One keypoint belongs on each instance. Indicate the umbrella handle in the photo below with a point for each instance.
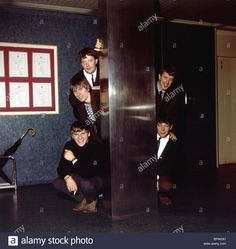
(33, 130)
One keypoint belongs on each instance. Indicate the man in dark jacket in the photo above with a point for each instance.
(88, 58)
(170, 99)
(167, 159)
(80, 170)
(87, 105)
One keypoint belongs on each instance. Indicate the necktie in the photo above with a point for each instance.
(90, 113)
(162, 94)
(93, 80)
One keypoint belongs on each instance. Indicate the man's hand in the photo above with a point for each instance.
(99, 45)
(69, 155)
(173, 137)
(71, 185)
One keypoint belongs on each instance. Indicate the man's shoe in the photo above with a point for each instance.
(80, 206)
(90, 207)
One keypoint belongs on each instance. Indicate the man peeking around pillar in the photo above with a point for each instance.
(166, 159)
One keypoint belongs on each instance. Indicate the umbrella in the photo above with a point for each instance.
(10, 151)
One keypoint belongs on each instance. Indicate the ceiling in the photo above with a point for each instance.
(211, 11)
(72, 6)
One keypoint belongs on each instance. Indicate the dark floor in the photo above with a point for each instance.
(205, 203)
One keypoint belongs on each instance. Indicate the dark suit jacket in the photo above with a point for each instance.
(167, 162)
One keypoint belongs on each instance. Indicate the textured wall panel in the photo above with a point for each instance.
(37, 157)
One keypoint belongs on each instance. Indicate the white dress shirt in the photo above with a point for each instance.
(88, 76)
(162, 145)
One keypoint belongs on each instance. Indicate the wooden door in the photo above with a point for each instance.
(227, 110)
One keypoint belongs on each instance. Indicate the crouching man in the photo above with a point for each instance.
(79, 169)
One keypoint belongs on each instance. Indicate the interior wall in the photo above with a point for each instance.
(37, 158)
